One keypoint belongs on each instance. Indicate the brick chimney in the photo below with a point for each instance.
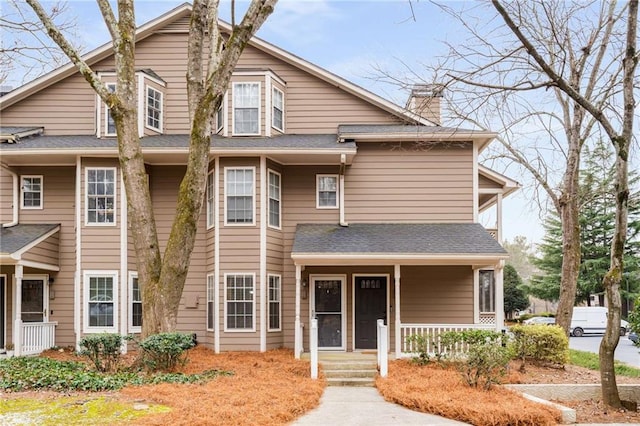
(424, 101)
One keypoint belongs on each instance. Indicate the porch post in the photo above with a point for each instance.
(499, 218)
(297, 344)
(499, 302)
(396, 281)
(17, 329)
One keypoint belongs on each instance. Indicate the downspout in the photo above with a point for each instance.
(343, 161)
(16, 198)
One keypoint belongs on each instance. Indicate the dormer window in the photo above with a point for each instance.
(109, 122)
(154, 109)
(277, 116)
(246, 109)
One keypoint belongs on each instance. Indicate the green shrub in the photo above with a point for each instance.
(165, 350)
(420, 344)
(540, 343)
(103, 350)
(34, 373)
(482, 355)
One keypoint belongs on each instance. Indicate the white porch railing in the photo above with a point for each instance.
(431, 333)
(383, 348)
(313, 346)
(36, 337)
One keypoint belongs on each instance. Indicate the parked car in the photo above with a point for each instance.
(633, 336)
(592, 320)
(540, 320)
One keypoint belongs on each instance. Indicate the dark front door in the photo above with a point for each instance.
(371, 305)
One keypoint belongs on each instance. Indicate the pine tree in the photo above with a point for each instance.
(514, 297)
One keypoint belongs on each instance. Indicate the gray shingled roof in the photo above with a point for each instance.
(16, 237)
(396, 238)
(290, 141)
(346, 129)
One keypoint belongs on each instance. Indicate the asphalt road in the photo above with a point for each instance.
(625, 352)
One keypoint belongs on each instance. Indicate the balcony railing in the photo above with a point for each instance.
(432, 333)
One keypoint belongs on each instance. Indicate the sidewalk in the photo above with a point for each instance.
(364, 406)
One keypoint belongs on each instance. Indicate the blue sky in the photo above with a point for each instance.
(351, 39)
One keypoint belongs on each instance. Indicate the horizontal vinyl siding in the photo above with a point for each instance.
(45, 252)
(6, 196)
(436, 294)
(486, 183)
(387, 184)
(311, 105)
(164, 184)
(58, 207)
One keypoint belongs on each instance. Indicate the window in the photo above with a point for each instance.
(487, 292)
(210, 301)
(239, 196)
(246, 108)
(135, 314)
(327, 191)
(239, 302)
(210, 198)
(109, 123)
(278, 109)
(274, 302)
(220, 117)
(101, 297)
(154, 109)
(101, 196)
(274, 199)
(31, 192)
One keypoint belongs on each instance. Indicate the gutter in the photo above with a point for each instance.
(16, 199)
(343, 161)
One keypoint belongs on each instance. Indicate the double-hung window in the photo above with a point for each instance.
(239, 302)
(327, 191)
(275, 295)
(239, 192)
(274, 199)
(220, 117)
(210, 199)
(109, 123)
(154, 109)
(101, 301)
(100, 196)
(487, 291)
(135, 298)
(31, 194)
(246, 108)
(277, 115)
(210, 302)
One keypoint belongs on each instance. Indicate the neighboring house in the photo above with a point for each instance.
(323, 200)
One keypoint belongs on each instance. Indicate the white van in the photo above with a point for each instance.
(592, 320)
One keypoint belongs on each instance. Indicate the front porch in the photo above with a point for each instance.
(371, 272)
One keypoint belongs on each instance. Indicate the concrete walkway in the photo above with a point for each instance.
(364, 406)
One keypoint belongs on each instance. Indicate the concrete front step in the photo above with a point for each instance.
(350, 381)
(348, 374)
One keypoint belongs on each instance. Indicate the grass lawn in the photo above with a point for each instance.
(591, 361)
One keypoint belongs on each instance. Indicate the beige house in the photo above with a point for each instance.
(323, 200)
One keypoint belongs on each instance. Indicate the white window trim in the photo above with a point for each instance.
(132, 328)
(233, 109)
(275, 89)
(493, 296)
(22, 206)
(85, 302)
(146, 109)
(226, 196)
(221, 112)
(86, 197)
(240, 330)
(105, 125)
(279, 227)
(211, 222)
(318, 206)
(210, 283)
(269, 276)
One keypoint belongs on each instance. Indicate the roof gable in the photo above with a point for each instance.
(170, 22)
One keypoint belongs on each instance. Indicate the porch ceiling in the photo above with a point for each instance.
(396, 243)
